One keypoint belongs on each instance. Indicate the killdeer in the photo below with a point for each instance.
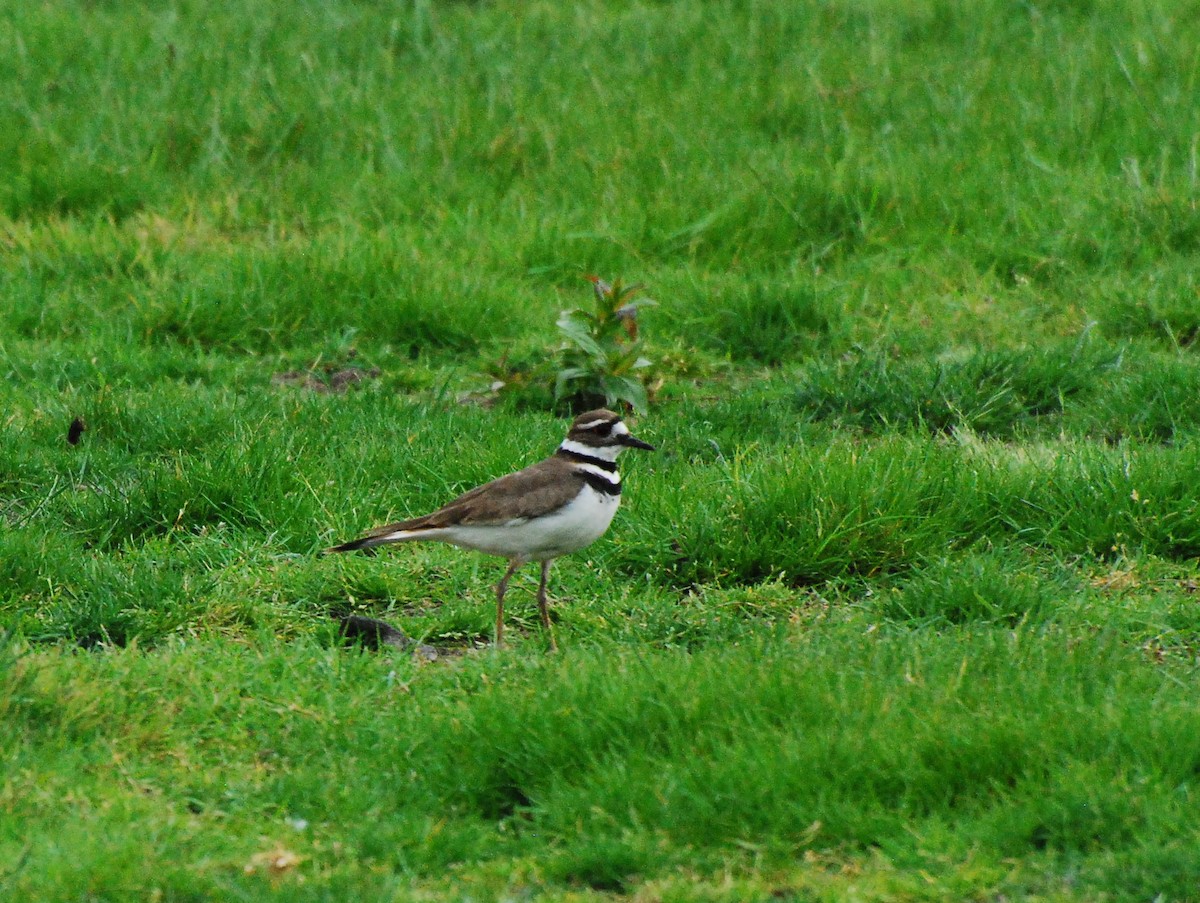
(549, 509)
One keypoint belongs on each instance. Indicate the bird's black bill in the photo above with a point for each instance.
(631, 442)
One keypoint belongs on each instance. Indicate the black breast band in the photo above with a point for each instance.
(599, 483)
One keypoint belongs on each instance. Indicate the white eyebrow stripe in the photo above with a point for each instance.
(591, 424)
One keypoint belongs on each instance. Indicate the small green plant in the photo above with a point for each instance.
(602, 362)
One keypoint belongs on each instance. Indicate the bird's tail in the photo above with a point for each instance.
(366, 543)
(381, 537)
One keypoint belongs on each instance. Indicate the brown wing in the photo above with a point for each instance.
(539, 488)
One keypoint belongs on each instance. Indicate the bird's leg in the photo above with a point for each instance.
(543, 607)
(501, 587)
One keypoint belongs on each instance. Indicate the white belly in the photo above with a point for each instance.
(579, 524)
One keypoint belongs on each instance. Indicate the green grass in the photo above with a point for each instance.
(903, 609)
(604, 767)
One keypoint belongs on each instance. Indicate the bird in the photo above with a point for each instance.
(552, 508)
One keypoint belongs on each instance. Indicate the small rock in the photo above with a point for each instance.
(374, 634)
(75, 430)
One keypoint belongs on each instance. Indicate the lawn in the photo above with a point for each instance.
(905, 607)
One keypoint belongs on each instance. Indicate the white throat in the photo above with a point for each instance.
(602, 453)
